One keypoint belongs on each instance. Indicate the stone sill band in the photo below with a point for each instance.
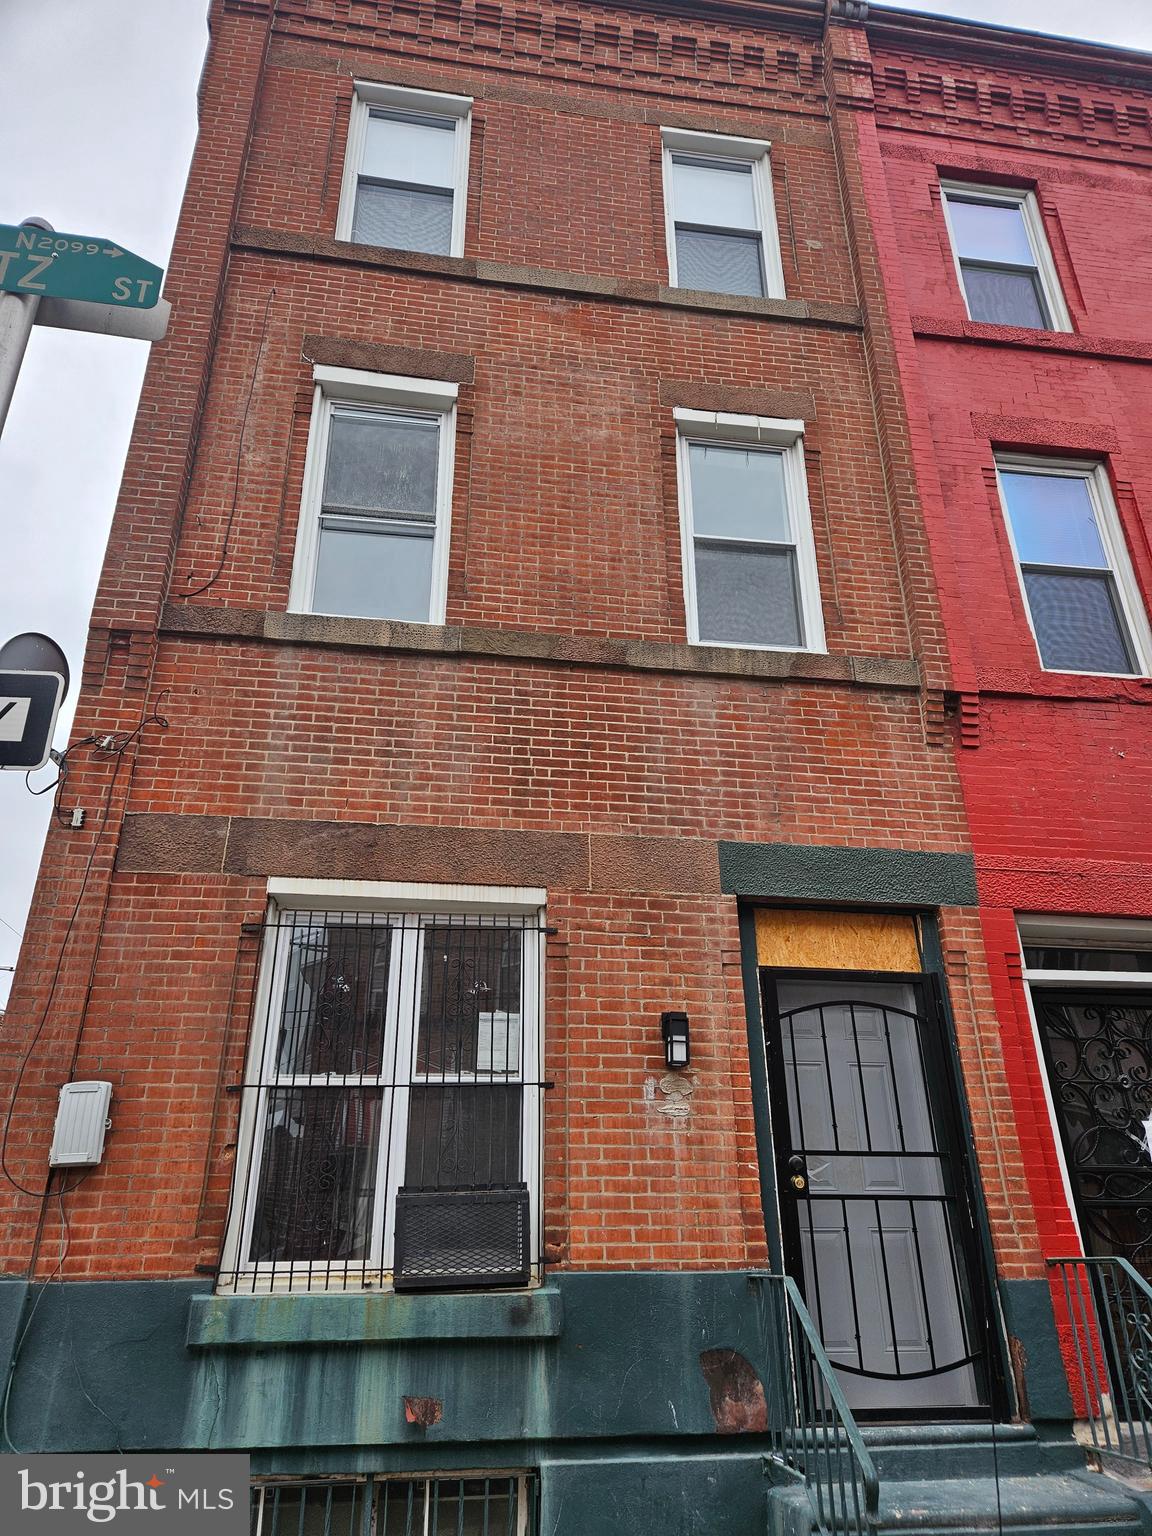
(255, 847)
(381, 1317)
(202, 621)
(950, 328)
(591, 285)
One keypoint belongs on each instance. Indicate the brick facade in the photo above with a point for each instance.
(559, 731)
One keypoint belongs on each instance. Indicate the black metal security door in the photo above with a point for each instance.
(874, 1189)
(1098, 1047)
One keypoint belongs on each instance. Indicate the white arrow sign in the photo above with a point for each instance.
(13, 718)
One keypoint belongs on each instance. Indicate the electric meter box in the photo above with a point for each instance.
(81, 1124)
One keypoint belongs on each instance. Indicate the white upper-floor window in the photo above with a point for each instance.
(406, 170)
(749, 561)
(1002, 257)
(374, 518)
(721, 219)
(1079, 588)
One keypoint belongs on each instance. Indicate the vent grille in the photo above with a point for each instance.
(456, 1238)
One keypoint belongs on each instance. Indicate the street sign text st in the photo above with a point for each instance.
(40, 263)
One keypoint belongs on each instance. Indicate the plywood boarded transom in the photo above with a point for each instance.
(836, 941)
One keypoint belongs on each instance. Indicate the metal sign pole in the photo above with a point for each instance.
(17, 317)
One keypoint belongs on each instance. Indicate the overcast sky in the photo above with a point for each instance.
(97, 121)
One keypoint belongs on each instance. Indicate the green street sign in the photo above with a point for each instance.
(50, 265)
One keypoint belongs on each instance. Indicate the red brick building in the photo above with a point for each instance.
(526, 904)
(1025, 397)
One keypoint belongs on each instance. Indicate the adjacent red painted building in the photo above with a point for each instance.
(1028, 405)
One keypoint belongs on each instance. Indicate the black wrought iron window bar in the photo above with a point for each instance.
(390, 1114)
(463, 1504)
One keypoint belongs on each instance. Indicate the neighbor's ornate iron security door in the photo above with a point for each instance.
(1098, 1047)
(874, 1187)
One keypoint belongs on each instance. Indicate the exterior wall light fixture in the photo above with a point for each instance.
(674, 1032)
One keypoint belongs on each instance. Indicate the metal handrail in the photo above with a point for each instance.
(809, 1422)
(1108, 1307)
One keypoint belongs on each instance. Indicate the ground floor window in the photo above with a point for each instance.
(468, 1504)
(390, 1120)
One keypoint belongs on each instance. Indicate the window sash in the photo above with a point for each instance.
(973, 298)
(364, 171)
(715, 151)
(1117, 573)
(316, 513)
(743, 168)
(798, 544)
(1041, 269)
(392, 1082)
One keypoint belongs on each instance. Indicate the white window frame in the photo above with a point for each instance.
(751, 432)
(1011, 197)
(718, 146)
(407, 899)
(395, 98)
(1115, 549)
(335, 387)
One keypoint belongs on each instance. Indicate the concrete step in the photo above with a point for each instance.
(1073, 1504)
(932, 1451)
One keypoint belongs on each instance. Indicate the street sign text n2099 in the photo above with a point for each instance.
(48, 264)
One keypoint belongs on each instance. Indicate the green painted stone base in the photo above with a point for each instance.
(595, 1380)
(725, 1494)
(1031, 1324)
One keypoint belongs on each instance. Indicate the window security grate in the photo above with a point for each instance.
(475, 1505)
(390, 1117)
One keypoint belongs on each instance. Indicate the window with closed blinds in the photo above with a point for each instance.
(406, 183)
(721, 228)
(378, 515)
(1005, 267)
(406, 170)
(1073, 566)
(749, 563)
(372, 541)
(718, 243)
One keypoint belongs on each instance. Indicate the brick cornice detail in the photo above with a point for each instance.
(929, 96)
(974, 161)
(779, 115)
